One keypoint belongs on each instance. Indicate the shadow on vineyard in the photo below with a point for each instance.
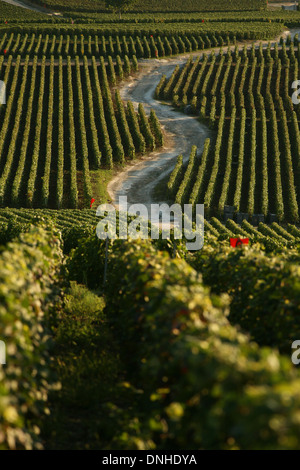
(88, 409)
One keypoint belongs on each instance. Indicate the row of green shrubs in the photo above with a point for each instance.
(28, 291)
(264, 289)
(205, 385)
(70, 235)
(199, 381)
(202, 384)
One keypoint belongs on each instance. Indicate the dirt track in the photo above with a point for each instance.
(138, 181)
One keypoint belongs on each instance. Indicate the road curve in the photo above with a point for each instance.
(139, 179)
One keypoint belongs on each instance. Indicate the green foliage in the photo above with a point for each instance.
(198, 185)
(137, 136)
(81, 266)
(124, 127)
(82, 302)
(145, 128)
(28, 290)
(91, 373)
(185, 185)
(76, 224)
(174, 180)
(192, 379)
(170, 328)
(253, 163)
(264, 290)
(156, 129)
(73, 225)
(55, 171)
(153, 5)
(119, 5)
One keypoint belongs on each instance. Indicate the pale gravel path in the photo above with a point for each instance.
(138, 180)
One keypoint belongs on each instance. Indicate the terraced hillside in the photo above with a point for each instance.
(63, 121)
(246, 96)
(155, 5)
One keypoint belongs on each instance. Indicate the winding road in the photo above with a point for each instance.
(139, 179)
(30, 6)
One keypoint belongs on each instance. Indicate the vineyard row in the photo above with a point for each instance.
(143, 45)
(253, 164)
(62, 122)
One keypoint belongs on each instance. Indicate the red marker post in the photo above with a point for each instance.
(92, 202)
(238, 242)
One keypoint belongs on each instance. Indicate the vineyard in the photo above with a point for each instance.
(76, 223)
(113, 45)
(15, 15)
(241, 31)
(143, 267)
(141, 344)
(155, 5)
(288, 17)
(253, 163)
(55, 170)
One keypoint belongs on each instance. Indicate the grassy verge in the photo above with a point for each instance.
(100, 179)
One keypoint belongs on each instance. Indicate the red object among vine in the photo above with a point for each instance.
(237, 242)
